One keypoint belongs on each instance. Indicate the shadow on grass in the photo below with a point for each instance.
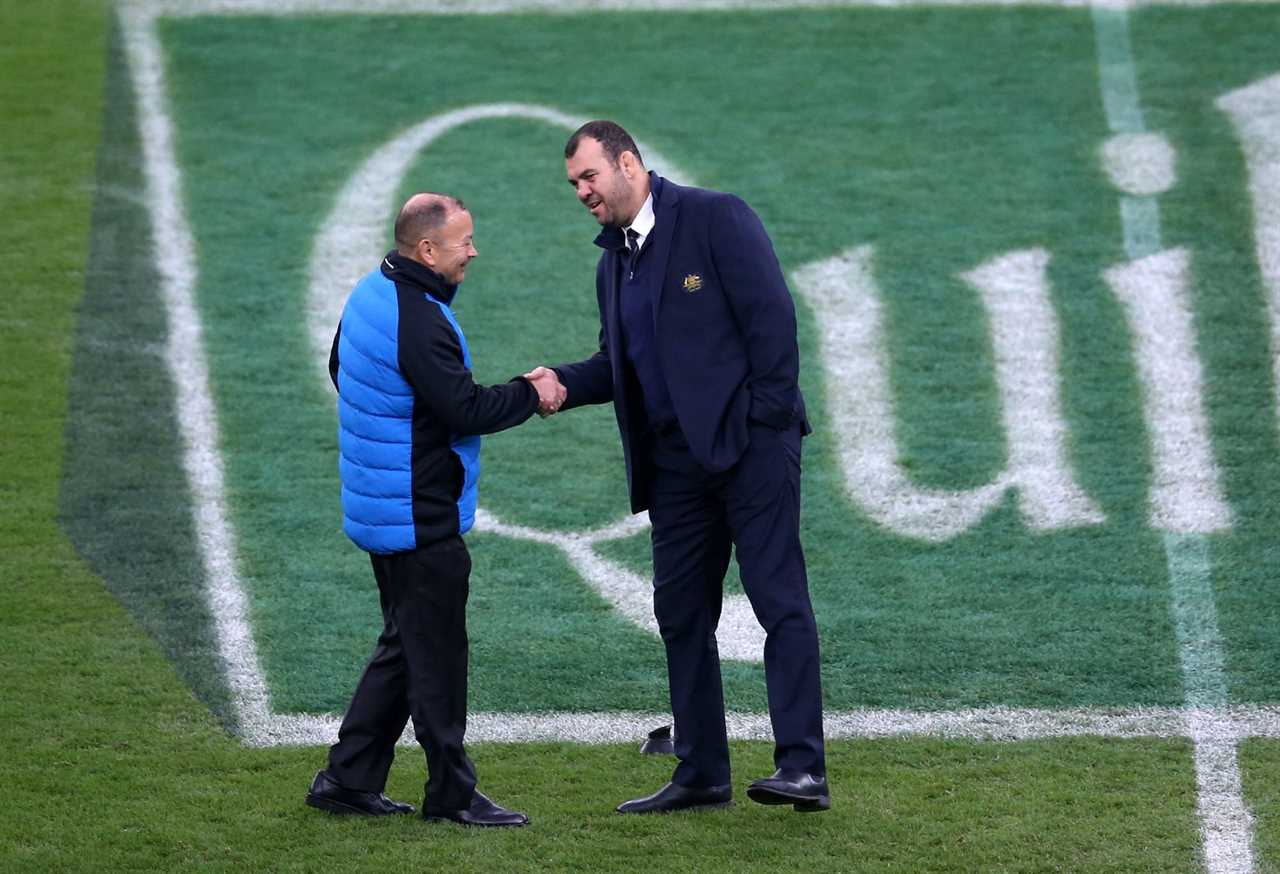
(124, 500)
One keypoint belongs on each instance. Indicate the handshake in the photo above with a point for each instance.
(551, 393)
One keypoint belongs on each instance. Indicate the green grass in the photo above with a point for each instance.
(125, 501)
(171, 793)
(1210, 213)
(113, 763)
(1000, 615)
(1260, 767)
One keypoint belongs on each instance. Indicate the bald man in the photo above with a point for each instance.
(410, 419)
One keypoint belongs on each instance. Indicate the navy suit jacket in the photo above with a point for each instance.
(725, 327)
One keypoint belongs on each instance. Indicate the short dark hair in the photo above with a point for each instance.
(422, 214)
(611, 136)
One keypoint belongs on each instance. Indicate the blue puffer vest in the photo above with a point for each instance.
(375, 425)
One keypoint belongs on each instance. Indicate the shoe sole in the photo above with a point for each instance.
(337, 808)
(477, 824)
(801, 803)
(328, 805)
(713, 805)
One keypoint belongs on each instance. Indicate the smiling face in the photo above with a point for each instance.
(450, 247)
(612, 192)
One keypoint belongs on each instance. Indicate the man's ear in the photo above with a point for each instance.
(631, 166)
(426, 252)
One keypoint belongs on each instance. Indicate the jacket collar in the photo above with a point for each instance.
(399, 268)
(664, 197)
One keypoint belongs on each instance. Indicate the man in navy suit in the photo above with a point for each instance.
(698, 354)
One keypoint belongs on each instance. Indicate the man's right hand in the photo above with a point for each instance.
(551, 393)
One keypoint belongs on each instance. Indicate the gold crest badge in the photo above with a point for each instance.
(692, 282)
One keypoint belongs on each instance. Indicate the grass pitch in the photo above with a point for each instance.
(113, 763)
(1000, 615)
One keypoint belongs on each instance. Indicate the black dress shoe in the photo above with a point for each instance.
(328, 794)
(673, 796)
(482, 812)
(806, 792)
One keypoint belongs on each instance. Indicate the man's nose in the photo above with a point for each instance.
(583, 190)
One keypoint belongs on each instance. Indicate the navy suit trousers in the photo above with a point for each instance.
(418, 670)
(697, 518)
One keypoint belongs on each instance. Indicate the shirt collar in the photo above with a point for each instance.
(642, 224)
(613, 238)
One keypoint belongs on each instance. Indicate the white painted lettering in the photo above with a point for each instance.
(1014, 288)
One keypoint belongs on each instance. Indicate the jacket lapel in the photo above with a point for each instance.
(666, 211)
(610, 239)
(614, 320)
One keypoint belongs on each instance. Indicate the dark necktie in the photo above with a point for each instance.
(633, 251)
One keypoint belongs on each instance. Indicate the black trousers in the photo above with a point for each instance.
(418, 670)
(697, 518)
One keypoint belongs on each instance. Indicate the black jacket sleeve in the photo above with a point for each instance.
(430, 357)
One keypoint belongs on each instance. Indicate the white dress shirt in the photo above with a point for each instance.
(642, 224)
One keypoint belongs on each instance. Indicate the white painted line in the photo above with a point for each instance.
(1186, 497)
(997, 724)
(1225, 820)
(192, 8)
(1117, 74)
(197, 418)
(739, 636)
(1196, 621)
